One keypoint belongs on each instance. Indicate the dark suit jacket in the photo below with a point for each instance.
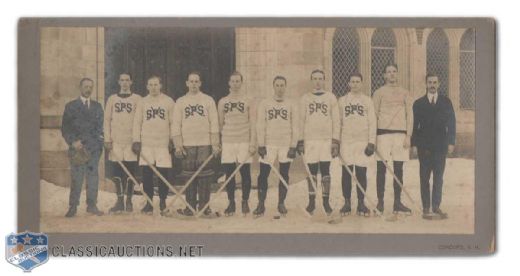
(80, 123)
(434, 125)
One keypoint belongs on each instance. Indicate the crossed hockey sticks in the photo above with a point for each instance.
(170, 186)
(178, 193)
(369, 199)
(224, 185)
(399, 183)
(125, 169)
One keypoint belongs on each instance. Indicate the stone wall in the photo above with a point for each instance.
(67, 55)
(263, 53)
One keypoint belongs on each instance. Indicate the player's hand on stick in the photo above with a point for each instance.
(136, 147)
(334, 149)
(171, 147)
(300, 147)
(108, 146)
(291, 153)
(370, 149)
(77, 145)
(406, 142)
(180, 152)
(262, 151)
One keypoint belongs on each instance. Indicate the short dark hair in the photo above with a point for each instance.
(280, 78)
(391, 65)
(194, 73)
(84, 80)
(356, 74)
(128, 74)
(318, 71)
(430, 75)
(236, 73)
(154, 77)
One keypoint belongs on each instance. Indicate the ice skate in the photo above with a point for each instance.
(346, 209)
(312, 204)
(162, 207)
(147, 209)
(362, 209)
(400, 208)
(260, 210)
(380, 208)
(281, 209)
(245, 207)
(185, 212)
(230, 210)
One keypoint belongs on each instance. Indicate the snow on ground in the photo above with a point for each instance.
(458, 202)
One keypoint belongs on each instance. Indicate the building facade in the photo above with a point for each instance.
(68, 54)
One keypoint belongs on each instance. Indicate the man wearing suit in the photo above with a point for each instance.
(82, 129)
(433, 138)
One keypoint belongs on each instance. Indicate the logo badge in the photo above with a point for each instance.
(27, 250)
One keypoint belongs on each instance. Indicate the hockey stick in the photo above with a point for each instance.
(280, 177)
(224, 185)
(188, 183)
(369, 199)
(331, 218)
(399, 182)
(170, 186)
(125, 169)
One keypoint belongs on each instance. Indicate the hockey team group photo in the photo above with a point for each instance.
(257, 130)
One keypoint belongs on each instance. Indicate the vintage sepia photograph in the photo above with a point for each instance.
(259, 130)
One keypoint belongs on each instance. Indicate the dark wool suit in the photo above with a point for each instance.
(85, 124)
(433, 131)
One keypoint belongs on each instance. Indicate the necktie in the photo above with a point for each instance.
(86, 104)
(433, 100)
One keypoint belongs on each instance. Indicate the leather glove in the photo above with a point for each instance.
(171, 148)
(291, 153)
(370, 149)
(262, 151)
(300, 147)
(136, 147)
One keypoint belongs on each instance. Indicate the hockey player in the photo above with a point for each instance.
(277, 129)
(393, 107)
(152, 134)
(119, 120)
(358, 135)
(238, 140)
(319, 136)
(196, 137)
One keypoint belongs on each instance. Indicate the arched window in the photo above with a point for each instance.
(345, 58)
(467, 70)
(438, 59)
(383, 53)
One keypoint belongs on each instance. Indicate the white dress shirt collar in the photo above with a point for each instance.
(435, 97)
(83, 100)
